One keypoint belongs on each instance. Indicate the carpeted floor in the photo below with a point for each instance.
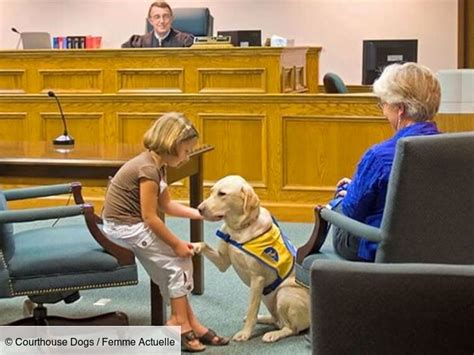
(221, 307)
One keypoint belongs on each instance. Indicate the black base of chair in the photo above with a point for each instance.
(40, 317)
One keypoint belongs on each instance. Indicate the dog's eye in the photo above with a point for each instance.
(221, 194)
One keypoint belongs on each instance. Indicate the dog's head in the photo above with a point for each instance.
(232, 199)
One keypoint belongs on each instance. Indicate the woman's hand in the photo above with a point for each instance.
(183, 249)
(341, 187)
(343, 181)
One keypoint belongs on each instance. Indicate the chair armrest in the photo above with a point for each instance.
(123, 255)
(316, 239)
(322, 216)
(374, 308)
(43, 191)
(351, 225)
(35, 214)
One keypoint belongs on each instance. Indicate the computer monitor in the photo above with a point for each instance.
(36, 40)
(377, 54)
(243, 38)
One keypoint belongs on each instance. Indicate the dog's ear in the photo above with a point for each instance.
(251, 200)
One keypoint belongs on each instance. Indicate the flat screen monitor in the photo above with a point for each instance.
(377, 54)
(243, 38)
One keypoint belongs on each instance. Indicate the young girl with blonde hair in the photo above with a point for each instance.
(135, 195)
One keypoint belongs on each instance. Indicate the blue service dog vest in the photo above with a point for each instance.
(272, 249)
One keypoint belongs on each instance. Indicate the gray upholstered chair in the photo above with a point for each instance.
(376, 308)
(412, 299)
(333, 84)
(51, 264)
(197, 21)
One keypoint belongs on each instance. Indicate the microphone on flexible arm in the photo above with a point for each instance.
(65, 138)
(19, 39)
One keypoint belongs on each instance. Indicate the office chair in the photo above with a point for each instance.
(418, 295)
(333, 84)
(52, 264)
(197, 21)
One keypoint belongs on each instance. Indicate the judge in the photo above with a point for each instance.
(160, 16)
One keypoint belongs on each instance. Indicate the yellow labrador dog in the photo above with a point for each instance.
(234, 201)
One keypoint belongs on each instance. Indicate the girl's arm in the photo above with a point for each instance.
(176, 209)
(149, 208)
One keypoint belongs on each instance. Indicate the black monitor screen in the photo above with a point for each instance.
(243, 38)
(377, 54)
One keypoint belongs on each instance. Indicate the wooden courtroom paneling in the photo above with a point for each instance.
(159, 70)
(12, 126)
(12, 81)
(460, 122)
(241, 145)
(292, 148)
(320, 140)
(150, 80)
(70, 80)
(87, 127)
(268, 139)
(232, 80)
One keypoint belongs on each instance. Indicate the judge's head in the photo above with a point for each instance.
(160, 16)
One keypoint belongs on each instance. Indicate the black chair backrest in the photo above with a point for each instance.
(333, 84)
(429, 211)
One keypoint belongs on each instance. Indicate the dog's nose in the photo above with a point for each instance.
(201, 210)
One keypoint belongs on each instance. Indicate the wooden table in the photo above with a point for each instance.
(43, 160)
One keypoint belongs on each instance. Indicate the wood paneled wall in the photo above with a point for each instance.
(259, 70)
(293, 148)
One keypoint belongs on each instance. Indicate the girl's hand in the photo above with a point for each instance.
(183, 249)
(196, 215)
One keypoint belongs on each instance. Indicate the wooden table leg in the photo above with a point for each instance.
(197, 227)
(158, 306)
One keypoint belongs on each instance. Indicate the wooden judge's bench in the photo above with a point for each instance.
(259, 107)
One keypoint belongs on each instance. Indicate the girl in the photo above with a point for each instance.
(130, 214)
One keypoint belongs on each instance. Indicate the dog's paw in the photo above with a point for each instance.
(273, 336)
(270, 337)
(198, 247)
(243, 335)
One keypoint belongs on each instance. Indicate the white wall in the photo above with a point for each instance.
(339, 26)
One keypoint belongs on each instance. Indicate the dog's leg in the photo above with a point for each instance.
(264, 319)
(220, 257)
(256, 289)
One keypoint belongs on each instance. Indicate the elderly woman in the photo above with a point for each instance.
(409, 97)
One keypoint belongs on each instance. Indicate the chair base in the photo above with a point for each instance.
(40, 317)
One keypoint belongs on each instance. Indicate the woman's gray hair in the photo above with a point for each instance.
(412, 85)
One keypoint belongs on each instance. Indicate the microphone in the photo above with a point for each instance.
(19, 39)
(64, 139)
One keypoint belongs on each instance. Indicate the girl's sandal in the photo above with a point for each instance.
(211, 338)
(191, 343)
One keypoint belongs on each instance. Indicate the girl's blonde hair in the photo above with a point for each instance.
(167, 132)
